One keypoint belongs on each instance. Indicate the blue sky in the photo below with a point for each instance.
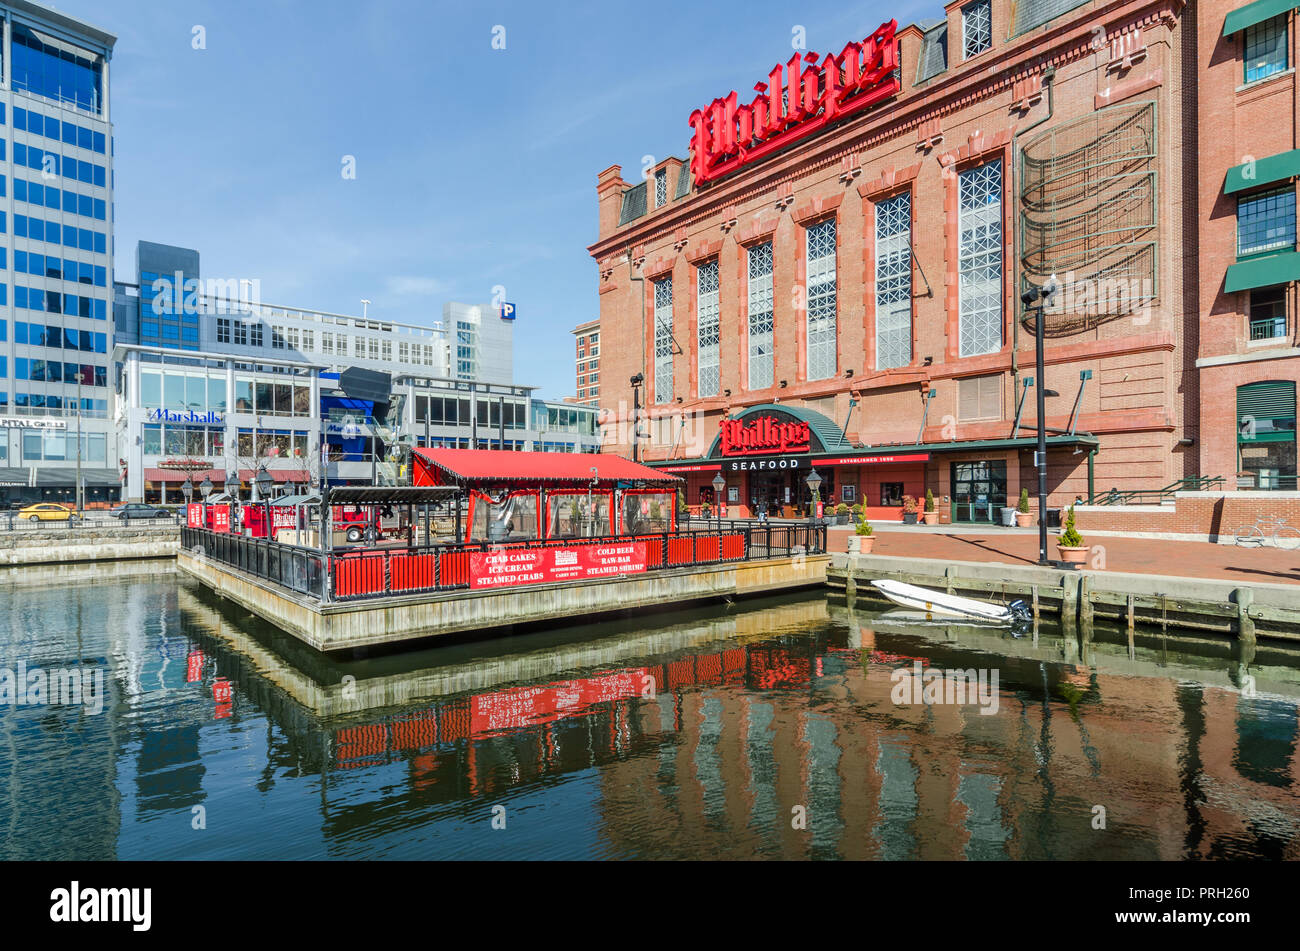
(475, 167)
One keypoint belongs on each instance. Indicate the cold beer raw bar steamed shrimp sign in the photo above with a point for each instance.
(504, 567)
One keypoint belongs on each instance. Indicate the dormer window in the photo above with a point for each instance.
(661, 188)
(976, 27)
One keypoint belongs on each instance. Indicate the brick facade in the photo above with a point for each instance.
(1145, 399)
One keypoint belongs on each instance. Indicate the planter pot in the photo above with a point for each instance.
(1075, 556)
(931, 518)
(1024, 519)
(841, 520)
(909, 518)
(855, 544)
(861, 544)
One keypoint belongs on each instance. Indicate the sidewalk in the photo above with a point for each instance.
(1117, 553)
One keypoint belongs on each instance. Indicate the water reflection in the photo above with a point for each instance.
(765, 729)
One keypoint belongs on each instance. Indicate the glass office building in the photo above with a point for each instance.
(56, 257)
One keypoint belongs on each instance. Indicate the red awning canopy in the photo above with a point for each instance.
(180, 475)
(279, 475)
(498, 466)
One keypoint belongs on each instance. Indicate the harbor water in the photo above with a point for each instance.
(804, 727)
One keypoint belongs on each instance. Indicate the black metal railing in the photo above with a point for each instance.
(1157, 496)
(298, 569)
(346, 574)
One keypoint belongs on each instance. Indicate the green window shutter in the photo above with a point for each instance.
(1275, 168)
(1256, 12)
(1267, 403)
(1271, 399)
(1263, 272)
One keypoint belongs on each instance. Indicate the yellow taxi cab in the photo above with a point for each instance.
(46, 512)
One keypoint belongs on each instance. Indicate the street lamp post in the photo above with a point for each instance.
(814, 481)
(187, 489)
(264, 482)
(1037, 300)
(719, 485)
(205, 489)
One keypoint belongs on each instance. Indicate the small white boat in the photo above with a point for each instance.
(940, 604)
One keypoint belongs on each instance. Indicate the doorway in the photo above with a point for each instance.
(979, 489)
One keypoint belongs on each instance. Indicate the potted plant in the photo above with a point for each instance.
(862, 540)
(909, 510)
(931, 516)
(857, 512)
(842, 514)
(705, 510)
(1023, 516)
(1070, 543)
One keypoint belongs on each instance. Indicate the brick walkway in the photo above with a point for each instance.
(1148, 556)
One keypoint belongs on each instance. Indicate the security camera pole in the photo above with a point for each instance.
(1043, 296)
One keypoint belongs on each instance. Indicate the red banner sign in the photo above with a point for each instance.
(873, 460)
(220, 515)
(793, 103)
(506, 567)
(763, 436)
(194, 515)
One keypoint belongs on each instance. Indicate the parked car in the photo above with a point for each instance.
(46, 512)
(139, 510)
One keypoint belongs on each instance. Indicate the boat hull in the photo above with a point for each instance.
(940, 604)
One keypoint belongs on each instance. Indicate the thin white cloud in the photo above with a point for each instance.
(405, 286)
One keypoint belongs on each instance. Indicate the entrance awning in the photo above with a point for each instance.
(68, 477)
(1253, 13)
(906, 454)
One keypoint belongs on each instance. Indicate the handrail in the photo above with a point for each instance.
(340, 574)
(1118, 496)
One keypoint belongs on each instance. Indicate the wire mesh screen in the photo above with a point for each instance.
(1089, 216)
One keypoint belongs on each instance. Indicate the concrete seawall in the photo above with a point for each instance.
(65, 545)
(1079, 597)
(378, 621)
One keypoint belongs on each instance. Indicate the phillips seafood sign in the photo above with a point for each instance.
(794, 102)
(763, 436)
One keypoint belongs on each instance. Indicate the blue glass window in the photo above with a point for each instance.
(86, 206)
(52, 128)
(20, 118)
(98, 137)
(101, 309)
(101, 342)
(20, 261)
(99, 171)
(20, 153)
(20, 189)
(52, 199)
(101, 243)
(84, 139)
(57, 70)
(20, 225)
(101, 207)
(2, 186)
(69, 133)
(20, 299)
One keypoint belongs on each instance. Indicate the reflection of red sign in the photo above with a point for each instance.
(522, 706)
(505, 567)
(222, 691)
(194, 667)
(727, 135)
(766, 434)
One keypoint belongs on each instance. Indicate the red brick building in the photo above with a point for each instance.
(856, 263)
(1247, 353)
(587, 355)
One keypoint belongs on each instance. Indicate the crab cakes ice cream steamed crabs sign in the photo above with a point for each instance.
(507, 567)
